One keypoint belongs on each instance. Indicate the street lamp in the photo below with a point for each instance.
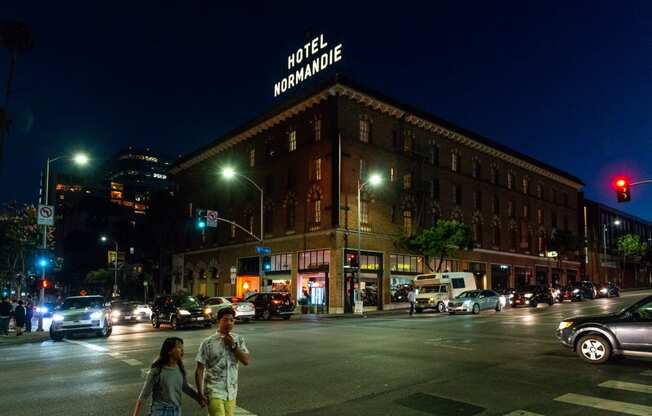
(229, 173)
(105, 239)
(374, 180)
(79, 159)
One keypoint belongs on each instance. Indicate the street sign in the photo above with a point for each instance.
(211, 218)
(111, 259)
(263, 250)
(45, 215)
(234, 271)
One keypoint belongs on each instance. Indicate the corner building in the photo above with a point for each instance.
(309, 155)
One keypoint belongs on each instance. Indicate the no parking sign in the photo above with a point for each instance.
(45, 215)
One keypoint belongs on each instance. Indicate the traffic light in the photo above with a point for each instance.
(622, 190)
(267, 264)
(200, 219)
(42, 262)
(44, 284)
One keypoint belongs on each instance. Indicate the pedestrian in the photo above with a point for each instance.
(5, 315)
(412, 298)
(218, 360)
(19, 317)
(166, 381)
(29, 313)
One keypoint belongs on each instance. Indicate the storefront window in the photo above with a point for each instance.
(408, 264)
(312, 292)
(281, 262)
(399, 286)
(281, 286)
(314, 259)
(369, 289)
(447, 265)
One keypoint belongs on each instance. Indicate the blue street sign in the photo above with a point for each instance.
(263, 250)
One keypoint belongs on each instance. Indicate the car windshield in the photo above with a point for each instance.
(468, 295)
(187, 302)
(82, 303)
(428, 289)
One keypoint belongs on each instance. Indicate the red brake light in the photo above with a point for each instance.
(276, 302)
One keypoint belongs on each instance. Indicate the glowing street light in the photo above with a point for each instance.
(228, 172)
(81, 159)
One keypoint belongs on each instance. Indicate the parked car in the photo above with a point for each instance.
(435, 290)
(81, 314)
(272, 304)
(578, 291)
(608, 290)
(508, 294)
(244, 311)
(532, 296)
(596, 338)
(179, 312)
(128, 311)
(474, 301)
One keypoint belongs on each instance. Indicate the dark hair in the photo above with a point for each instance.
(164, 355)
(20, 302)
(225, 311)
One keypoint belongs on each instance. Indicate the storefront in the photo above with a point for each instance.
(312, 281)
(571, 276)
(247, 279)
(279, 276)
(556, 277)
(521, 277)
(403, 268)
(500, 276)
(479, 271)
(541, 276)
(370, 286)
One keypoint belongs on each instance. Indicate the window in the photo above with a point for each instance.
(510, 209)
(526, 210)
(477, 200)
(252, 157)
(407, 181)
(281, 262)
(317, 212)
(494, 175)
(392, 174)
(232, 231)
(540, 244)
(539, 191)
(496, 236)
(364, 131)
(455, 161)
(539, 216)
(514, 239)
(318, 130)
(318, 169)
(435, 188)
(363, 169)
(458, 283)
(476, 169)
(477, 233)
(526, 183)
(406, 264)
(364, 212)
(292, 141)
(407, 222)
(457, 194)
(408, 142)
(510, 180)
(434, 155)
(290, 215)
(495, 205)
(554, 219)
(314, 259)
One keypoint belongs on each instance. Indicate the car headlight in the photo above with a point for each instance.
(57, 317)
(183, 312)
(603, 290)
(431, 300)
(116, 313)
(96, 315)
(576, 291)
(207, 311)
(565, 324)
(528, 295)
(503, 300)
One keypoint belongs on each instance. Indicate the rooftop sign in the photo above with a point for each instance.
(307, 61)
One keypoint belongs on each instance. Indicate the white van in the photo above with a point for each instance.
(434, 290)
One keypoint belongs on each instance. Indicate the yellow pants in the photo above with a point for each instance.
(219, 407)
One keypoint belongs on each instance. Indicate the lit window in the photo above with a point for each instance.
(364, 131)
(364, 212)
(434, 154)
(455, 160)
(526, 211)
(407, 222)
(252, 157)
(318, 169)
(317, 213)
(392, 175)
(407, 142)
(232, 231)
(525, 185)
(539, 216)
(539, 191)
(293, 140)
(318, 130)
(510, 180)
(407, 181)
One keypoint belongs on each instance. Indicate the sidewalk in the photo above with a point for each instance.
(27, 337)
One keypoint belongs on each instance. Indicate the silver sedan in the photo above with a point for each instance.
(476, 300)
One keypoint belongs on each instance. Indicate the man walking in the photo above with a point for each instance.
(5, 315)
(412, 298)
(19, 317)
(218, 359)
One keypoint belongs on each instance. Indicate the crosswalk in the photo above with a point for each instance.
(592, 402)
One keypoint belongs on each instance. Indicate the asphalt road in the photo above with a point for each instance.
(430, 364)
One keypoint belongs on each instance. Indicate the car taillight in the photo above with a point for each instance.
(276, 302)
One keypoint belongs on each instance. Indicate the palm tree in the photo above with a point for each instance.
(16, 38)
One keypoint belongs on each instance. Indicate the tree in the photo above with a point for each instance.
(445, 239)
(629, 245)
(563, 242)
(100, 278)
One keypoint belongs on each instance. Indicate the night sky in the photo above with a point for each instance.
(570, 85)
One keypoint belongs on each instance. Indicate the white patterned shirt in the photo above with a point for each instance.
(221, 366)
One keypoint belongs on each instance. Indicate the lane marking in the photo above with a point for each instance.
(603, 404)
(132, 362)
(647, 373)
(622, 385)
(87, 345)
(522, 413)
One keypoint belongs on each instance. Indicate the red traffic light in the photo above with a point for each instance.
(45, 284)
(621, 182)
(622, 190)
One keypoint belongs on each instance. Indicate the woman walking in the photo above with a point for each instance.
(166, 381)
(19, 317)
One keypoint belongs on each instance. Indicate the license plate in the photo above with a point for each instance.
(200, 318)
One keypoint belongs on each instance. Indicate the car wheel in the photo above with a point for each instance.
(267, 315)
(476, 309)
(56, 336)
(106, 330)
(499, 307)
(174, 324)
(594, 349)
(155, 322)
(534, 303)
(441, 308)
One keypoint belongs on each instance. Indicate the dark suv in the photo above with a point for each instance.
(532, 296)
(583, 290)
(596, 338)
(272, 304)
(180, 311)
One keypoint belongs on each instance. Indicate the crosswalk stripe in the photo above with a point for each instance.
(622, 385)
(603, 404)
(86, 345)
(522, 413)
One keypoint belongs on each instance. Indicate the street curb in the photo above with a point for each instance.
(373, 314)
(26, 338)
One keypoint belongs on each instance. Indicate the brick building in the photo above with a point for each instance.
(309, 154)
(603, 261)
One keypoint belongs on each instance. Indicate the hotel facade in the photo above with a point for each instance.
(309, 156)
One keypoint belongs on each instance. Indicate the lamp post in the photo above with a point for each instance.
(104, 239)
(80, 159)
(374, 180)
(228, 173)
